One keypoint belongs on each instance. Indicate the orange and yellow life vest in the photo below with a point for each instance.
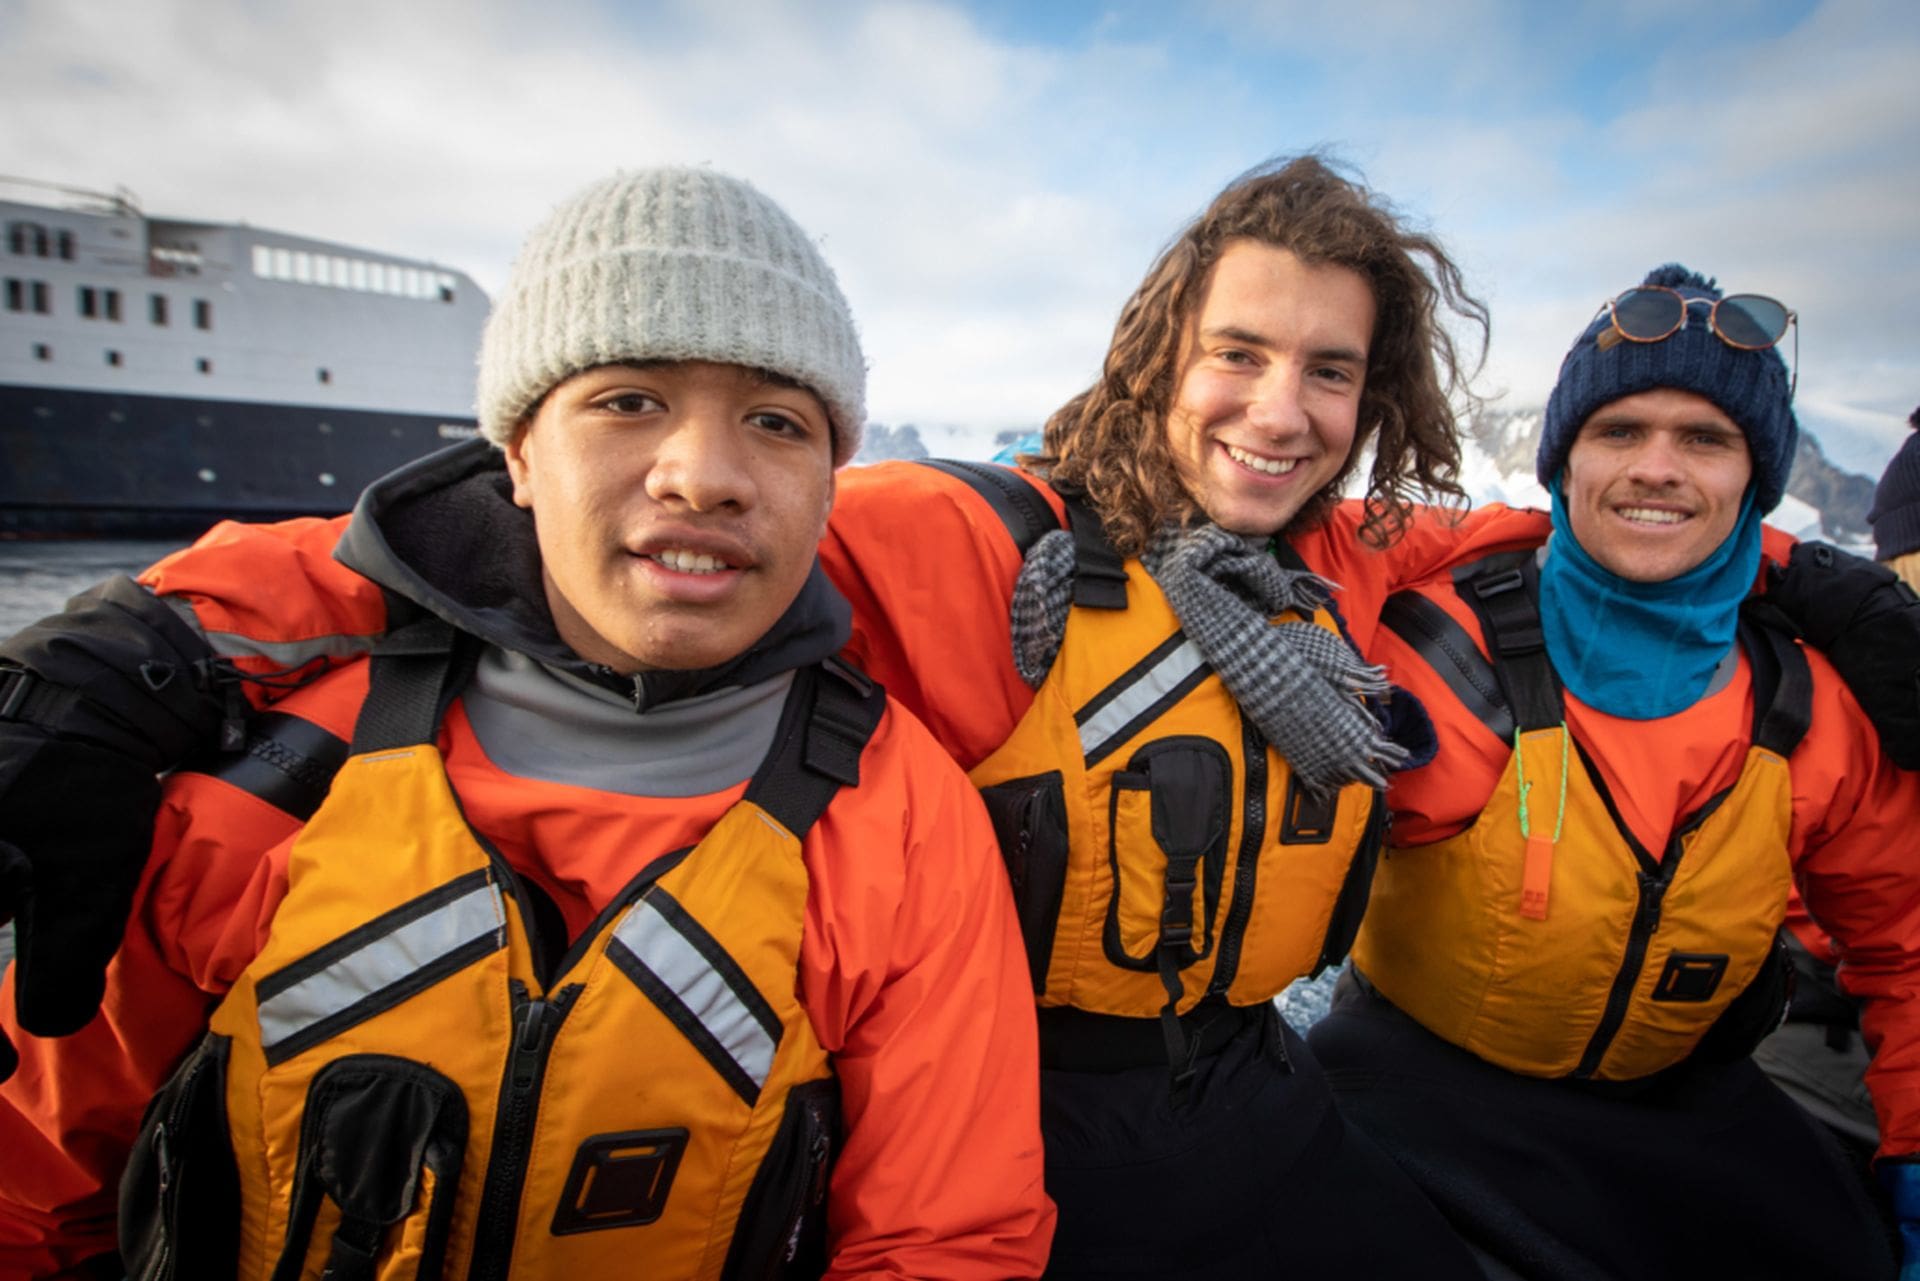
(1162, 853)
(1544, 938)
(410, 1091)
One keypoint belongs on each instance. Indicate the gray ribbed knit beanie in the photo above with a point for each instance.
(1895, 515)
(1750, 387)
(670, 264)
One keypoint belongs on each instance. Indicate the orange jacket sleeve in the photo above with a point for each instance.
(929, 570)
(272, 599)
(917, 984)
(1856, 816)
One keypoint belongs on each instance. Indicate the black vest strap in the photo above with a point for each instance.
(416, 669)
(1099, 573)
(1504, 591)
(1782, 685)
(1018, 505)
(1449, 650)
(829, 718)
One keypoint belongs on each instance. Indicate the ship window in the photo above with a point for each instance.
(66, 245)
(302, 266)
(40, 240)
(282, 265)
(42, 352)
(16, 294)
(204, 365)
(17, 237)
(326, 375)
(113, 304)
(89, 301)
(446, 288)
(158, 308)
(359, 273)
(202, 314)
(113, 358)
(42, 303)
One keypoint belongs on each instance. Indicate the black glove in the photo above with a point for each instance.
(91, 809)
(93, 704)
(1867, 622)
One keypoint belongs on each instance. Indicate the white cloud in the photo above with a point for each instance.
(988, 201)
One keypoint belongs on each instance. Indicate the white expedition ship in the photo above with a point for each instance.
(160, 374)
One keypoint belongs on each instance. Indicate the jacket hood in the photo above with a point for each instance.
(444, 535)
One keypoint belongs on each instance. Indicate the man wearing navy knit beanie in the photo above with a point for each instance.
(1567, 961)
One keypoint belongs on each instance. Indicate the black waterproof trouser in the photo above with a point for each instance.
(1255, 1175)
(1706, 1170)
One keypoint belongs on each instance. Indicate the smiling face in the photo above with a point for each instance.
(1268, 397)
(1654, 482)
(678, 508)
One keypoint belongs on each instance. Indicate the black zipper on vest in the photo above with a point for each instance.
(535, 1023)
(1253, 834)
(1653, 879)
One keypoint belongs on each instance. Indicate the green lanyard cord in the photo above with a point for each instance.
(1520, 774)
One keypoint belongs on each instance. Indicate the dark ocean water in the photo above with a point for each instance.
(37, 578)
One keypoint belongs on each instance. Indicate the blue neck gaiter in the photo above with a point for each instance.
(1642, 650)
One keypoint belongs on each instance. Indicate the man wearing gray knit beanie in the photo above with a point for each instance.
(616, 927)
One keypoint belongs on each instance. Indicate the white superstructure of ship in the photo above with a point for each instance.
(162, 373)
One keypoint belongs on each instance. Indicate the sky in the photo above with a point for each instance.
(991, 179)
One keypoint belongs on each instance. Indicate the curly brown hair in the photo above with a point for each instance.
(1109, 440)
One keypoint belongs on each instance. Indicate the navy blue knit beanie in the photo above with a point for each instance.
(1750, 387)
(1895, 515)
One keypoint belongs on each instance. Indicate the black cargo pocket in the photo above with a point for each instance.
(1166, 849)
(382, 1141)
(1351, 905)
(180, 1194)
(1757, 1012)
(1030, 819)
(783, 1223)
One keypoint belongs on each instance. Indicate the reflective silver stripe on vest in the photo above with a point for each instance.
(1153, 685)
(652, 938)
(381, 962)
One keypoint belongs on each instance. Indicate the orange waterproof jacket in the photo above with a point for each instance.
(909, 972)
(1846, 818)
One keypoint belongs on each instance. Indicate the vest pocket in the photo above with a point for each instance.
(1757, 1012)
(1029, 817)
(180, 1194)
(382, 1140)
(1167, 844)
(782, 1230)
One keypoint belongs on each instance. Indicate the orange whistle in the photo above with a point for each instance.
(1534, 875)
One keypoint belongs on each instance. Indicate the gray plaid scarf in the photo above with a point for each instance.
(1299, 683)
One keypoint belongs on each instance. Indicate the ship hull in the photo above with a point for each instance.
(93, 463)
